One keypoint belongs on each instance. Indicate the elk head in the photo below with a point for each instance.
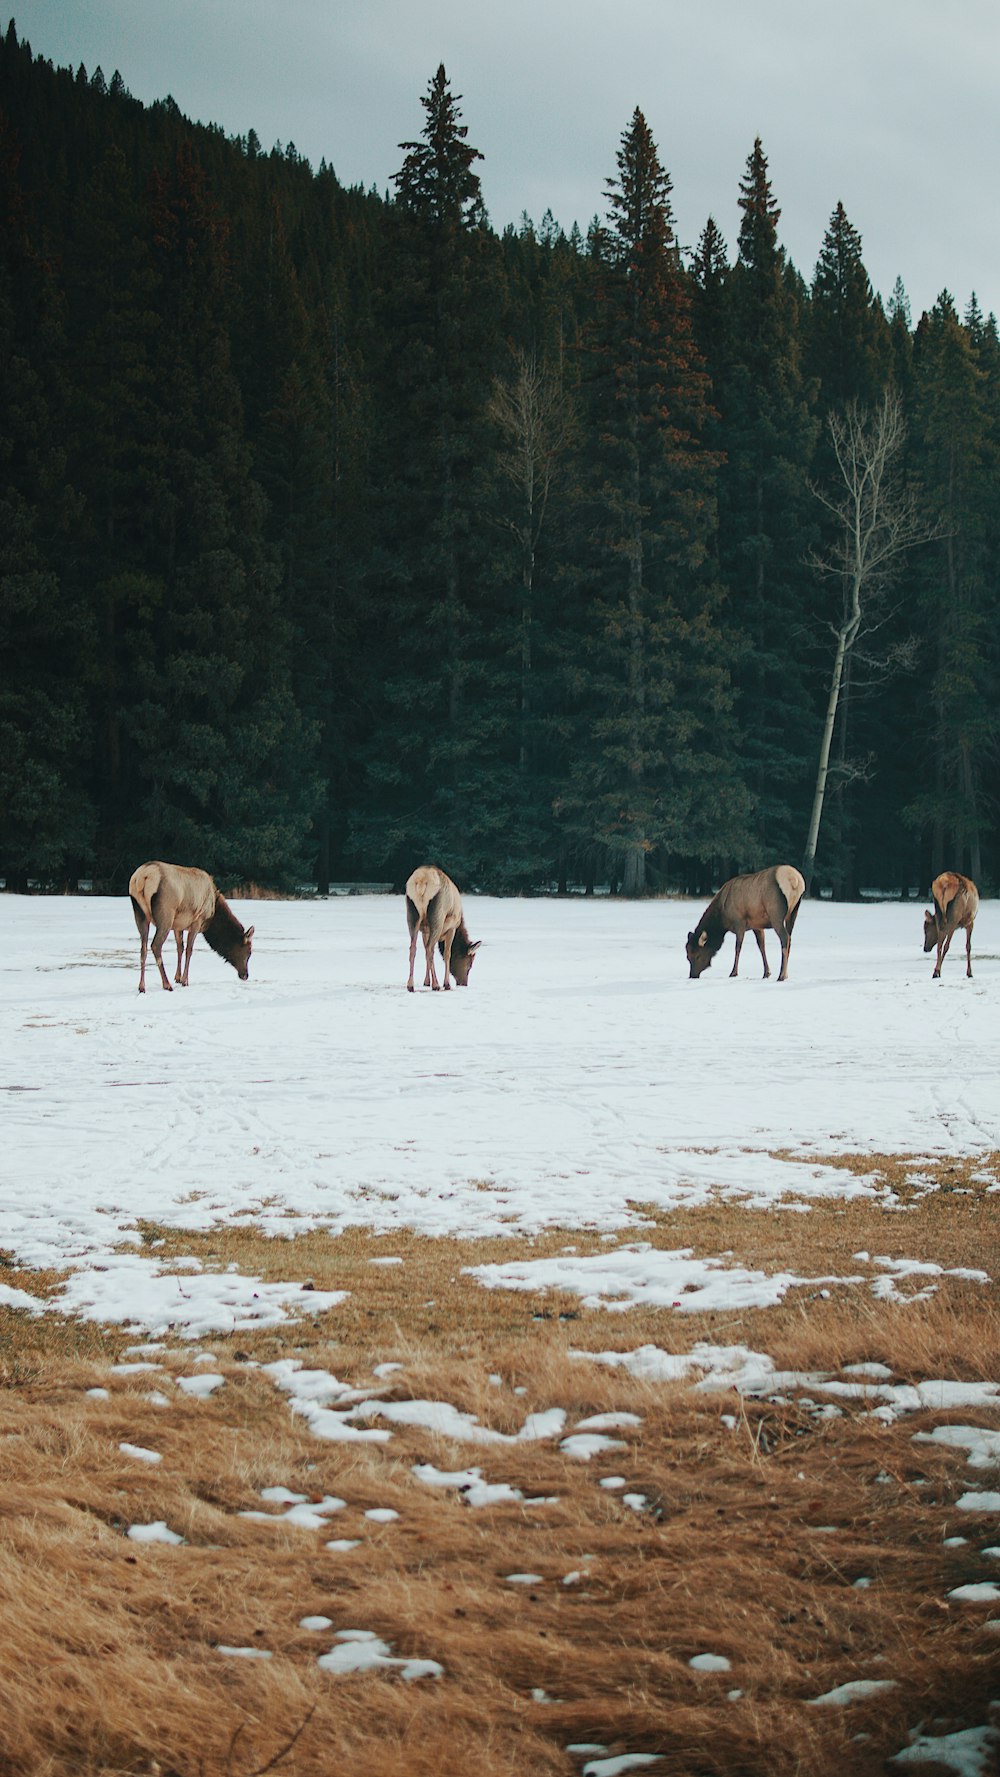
(241, 955)
(930, 930)
(698, 954)
(461, 966)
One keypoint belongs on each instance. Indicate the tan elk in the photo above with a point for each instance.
(956, 903)
(769, 899)
(176, 898)
(434, 913)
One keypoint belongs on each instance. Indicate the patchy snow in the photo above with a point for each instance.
(584, 1077)
(469, 1482)
(618, 1765)
(978, 1502)
(972, 1752)
(359, 1650)
(983, 1446)
(140, 1453)
(856, 1691)
(154, 1533)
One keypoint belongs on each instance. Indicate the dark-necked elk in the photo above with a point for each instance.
(434, 913)
(769, 899)
(956, 903)
(176, 898)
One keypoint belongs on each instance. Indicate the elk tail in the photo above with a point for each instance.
(412, 915)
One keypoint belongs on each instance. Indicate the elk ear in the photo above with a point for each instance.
(475, 946)
(703, 940)
(248, 934)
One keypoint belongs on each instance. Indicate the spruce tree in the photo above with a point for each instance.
(848, 340)
(955, 423)
(655, 741)
(46, 635)
(438, 782)
(768, 433)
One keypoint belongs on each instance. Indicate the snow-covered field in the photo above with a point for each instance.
(580, 1077)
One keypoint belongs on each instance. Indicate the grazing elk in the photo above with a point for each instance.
(434, 913)
(956, 903)
(176, 898)
(769, 898)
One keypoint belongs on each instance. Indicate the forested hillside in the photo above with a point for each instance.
(339, 531)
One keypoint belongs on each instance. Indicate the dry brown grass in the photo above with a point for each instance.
(109, 1660)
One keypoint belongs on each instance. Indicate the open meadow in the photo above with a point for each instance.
(588, 1371)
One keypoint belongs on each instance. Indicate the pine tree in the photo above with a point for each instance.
(768, 433)
(655, 740)
(437, 783)
(848, 340)
(955, 456)
(46, 638)
(220, 757)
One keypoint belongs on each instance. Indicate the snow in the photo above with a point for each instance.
(469, 1482)
(154, 1533)
(616, 1767)
(579, 1082)
(359, 1650)
(972, 1752)
(978, 1502)
(140, 1453)
(584, 1076)
(856, 1691)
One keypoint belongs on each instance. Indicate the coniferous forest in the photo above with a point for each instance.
(340, 532)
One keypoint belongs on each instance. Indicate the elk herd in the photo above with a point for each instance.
(177, 898)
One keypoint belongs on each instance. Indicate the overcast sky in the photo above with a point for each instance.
(889, 106)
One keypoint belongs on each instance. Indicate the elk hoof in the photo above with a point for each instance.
(142, 987)
(410, 987)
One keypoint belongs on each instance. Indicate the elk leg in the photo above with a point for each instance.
(943, 948)
(430, 974)
(785, 938)
(158, 937)
(179, 972)
(143, 947)
(740, 935)
(968, 953)
(447, 960)
(187, 953)
(759, 935)
(413, 953)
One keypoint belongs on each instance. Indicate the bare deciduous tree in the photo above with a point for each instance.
(877, 521)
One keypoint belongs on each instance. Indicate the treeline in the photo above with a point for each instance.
(340, 532)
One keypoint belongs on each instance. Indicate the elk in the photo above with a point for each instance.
(434, 913)
(956, 903)
(176, 898)
(767, 899)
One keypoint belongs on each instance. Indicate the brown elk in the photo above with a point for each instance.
(956, 903)
(767, 899)
(434, 913)
(176, 898)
